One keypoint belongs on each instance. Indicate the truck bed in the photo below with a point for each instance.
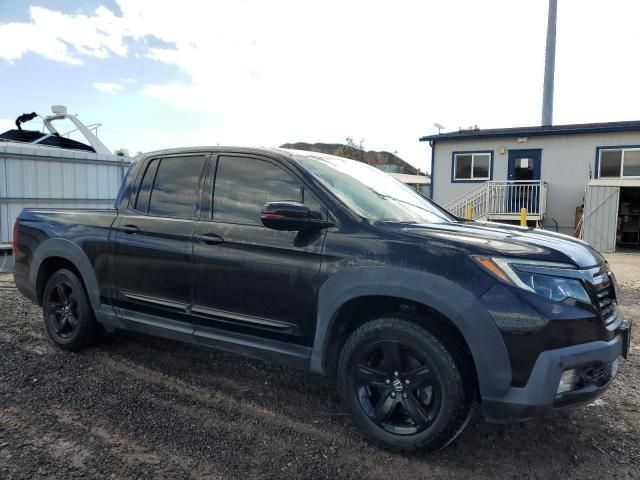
(62, 230)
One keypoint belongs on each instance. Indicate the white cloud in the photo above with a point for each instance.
(64, 38)
(108, 87)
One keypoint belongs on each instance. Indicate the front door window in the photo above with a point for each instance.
(523, 169)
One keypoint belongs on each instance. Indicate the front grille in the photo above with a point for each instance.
(606, 299)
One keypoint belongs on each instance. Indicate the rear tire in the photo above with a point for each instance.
(68, 316)
(403, 386)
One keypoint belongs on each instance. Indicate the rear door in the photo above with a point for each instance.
(153, 244)
(248, 278)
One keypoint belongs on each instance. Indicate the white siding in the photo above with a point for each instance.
(601, 217)
(566, 162)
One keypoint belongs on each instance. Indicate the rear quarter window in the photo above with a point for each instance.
(144, 193)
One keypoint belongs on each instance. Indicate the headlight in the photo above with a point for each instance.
(518, 273)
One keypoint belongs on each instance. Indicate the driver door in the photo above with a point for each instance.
(248, 278)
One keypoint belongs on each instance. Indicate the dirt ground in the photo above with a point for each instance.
(141, 407)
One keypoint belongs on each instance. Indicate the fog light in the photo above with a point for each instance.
(614, 368)
(568, 381)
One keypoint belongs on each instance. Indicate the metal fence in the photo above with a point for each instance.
(39, 177)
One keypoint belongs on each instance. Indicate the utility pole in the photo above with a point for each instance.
(549, 65)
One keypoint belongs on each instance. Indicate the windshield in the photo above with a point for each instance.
(370, 192)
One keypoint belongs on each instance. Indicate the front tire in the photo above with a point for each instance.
(68, 316)
(403, 386)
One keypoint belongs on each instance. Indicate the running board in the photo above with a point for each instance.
(283, 353)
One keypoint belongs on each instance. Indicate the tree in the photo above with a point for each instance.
(121, 152)
(352, 150)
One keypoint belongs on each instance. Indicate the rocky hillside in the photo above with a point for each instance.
(371, 157)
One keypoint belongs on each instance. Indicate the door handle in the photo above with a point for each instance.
(209, 238)
(129, 229)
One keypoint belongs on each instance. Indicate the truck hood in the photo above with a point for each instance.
(506, 240)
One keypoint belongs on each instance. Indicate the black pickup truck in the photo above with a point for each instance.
(330, 265)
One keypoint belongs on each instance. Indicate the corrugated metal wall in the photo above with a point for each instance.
(36, 177)
(601, 217)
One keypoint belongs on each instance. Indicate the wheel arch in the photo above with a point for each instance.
(57, 253)
(382, 290)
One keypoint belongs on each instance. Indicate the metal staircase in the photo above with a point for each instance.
(502, 200)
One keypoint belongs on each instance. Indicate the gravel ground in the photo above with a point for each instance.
(141, 407)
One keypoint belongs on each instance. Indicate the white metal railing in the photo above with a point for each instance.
(502, 199)
(475, 198)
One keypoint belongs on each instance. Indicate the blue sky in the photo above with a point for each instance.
(249, 72)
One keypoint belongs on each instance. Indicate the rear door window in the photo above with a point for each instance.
(174, 183)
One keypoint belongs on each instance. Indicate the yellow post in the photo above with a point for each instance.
(469, 211)
(523, 217)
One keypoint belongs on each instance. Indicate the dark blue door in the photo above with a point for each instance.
(524, 172)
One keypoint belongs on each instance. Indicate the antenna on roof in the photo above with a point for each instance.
(439, 126)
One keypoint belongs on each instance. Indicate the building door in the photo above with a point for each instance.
(524, 173)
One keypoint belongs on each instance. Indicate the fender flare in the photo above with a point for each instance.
(59, 247)
(454, 302)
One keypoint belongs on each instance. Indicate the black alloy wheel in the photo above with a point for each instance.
(396, 387)
(63, 309)
(407, 387)
(68, 316)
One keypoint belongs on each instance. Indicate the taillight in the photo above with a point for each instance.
(16, 228)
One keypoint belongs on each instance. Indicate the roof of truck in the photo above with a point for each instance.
(229, 149)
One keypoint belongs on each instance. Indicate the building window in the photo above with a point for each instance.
(619, 162)
(472, 166)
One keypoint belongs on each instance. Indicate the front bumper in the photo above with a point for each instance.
(540, 392)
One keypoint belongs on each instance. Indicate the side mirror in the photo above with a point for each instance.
(291, 216)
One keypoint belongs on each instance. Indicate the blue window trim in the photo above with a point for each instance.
(471, 180)
(599, 148)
